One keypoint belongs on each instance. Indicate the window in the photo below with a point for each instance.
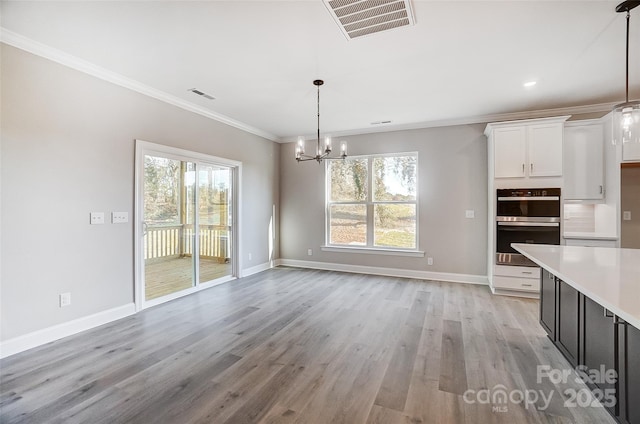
(372, 201)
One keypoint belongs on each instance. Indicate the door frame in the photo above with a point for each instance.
(143, 148)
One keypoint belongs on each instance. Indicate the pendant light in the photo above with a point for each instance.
(626, 116)
(324, 151)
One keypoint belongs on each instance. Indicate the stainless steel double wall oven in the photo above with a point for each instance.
(526, 216)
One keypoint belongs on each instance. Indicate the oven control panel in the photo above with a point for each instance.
(528, 192)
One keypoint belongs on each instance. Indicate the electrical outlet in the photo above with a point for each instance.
(626, 216)
(310, 252)
(65, 299)
(429, 261)
(96, 218)
(470, 213)
(119, 217)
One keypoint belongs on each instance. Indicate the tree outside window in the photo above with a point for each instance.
(372, 201)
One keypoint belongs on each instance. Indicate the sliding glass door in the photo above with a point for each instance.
(186, 207)
(214, 221)
(168, 226)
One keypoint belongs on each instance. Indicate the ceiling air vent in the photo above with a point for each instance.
(362, 17)
(201, 93)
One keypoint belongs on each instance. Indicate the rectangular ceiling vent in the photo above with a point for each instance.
(201, 93)
(363, 17)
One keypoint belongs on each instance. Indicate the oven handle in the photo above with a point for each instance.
(530, 224)
(527, 219)
(532, 198)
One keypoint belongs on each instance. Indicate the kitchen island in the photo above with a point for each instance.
(590, 308)
(609, 276)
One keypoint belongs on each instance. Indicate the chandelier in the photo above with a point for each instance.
(323, 151)
(626, 116)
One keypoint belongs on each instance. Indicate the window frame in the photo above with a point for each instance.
(370, 204)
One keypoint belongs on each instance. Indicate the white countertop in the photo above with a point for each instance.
(607, 275)
(589, 235)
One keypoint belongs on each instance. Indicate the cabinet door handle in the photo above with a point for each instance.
(527, 272)
(527, 285)
(531, 166)
(523, 169)
(600, 189)
(616, 319)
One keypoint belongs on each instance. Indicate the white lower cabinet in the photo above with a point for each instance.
(516, 278)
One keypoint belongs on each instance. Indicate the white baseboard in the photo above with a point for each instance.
(391, 272)
(259, 268)
(47, 335)
(50, 334)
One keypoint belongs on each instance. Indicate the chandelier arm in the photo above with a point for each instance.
(306, 158)
(319, 158)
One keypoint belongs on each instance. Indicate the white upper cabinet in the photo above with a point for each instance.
(510, 146)
(584, 160)
(631, 151)
(545, 149)
(527, 149)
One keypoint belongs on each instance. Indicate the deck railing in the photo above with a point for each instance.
(163, 241)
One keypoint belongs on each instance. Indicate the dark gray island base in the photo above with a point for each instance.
(603, 347)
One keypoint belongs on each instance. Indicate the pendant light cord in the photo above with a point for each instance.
(627, 70)
(318, 120)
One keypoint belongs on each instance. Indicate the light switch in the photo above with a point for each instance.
(470, 213)
(119, 217)
(96, 218)
(626, 216)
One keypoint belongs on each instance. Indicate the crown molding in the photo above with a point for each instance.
(39, 49)
(479, 119)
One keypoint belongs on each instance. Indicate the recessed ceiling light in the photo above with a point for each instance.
(529, 84)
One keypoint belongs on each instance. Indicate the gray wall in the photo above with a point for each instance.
(630, 201)
(67, 150)
(452, 172)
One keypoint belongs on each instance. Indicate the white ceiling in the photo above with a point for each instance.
(258, 58)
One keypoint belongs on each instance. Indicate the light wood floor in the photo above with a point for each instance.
(298, 346)
(163, 277)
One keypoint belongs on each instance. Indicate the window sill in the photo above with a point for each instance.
(373, 251)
